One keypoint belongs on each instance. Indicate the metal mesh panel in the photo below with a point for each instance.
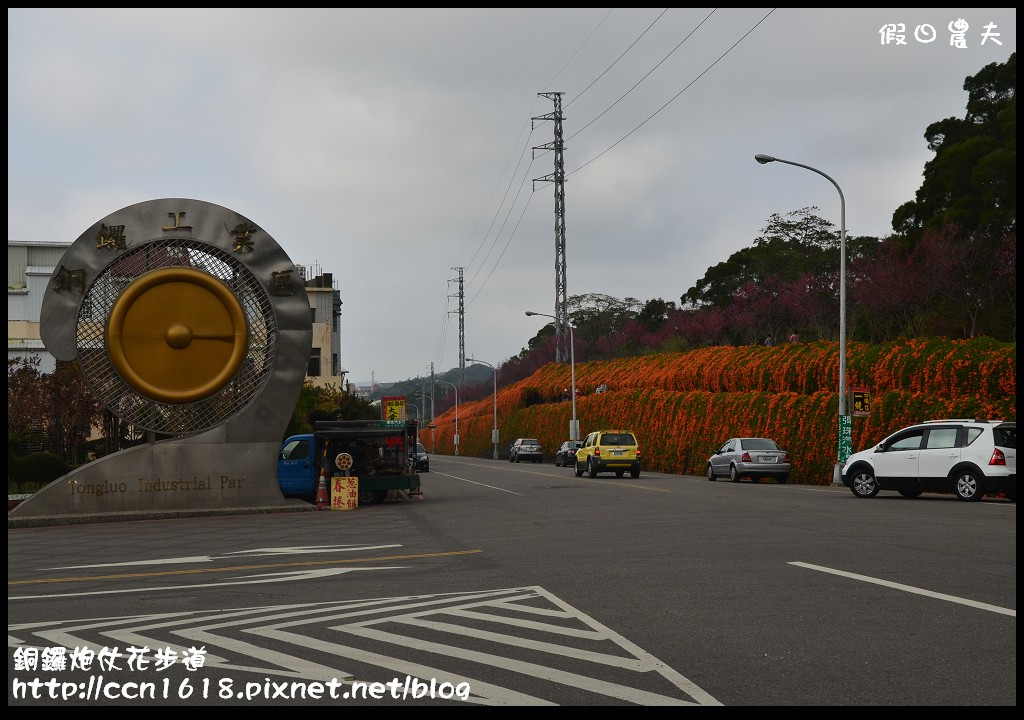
(175, 419)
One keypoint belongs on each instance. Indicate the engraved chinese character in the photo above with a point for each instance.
(281, 283)
(66, 279)
(243, 233)
(111, 237)
(177, 221)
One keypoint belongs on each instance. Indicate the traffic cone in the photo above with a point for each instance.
(322, 498)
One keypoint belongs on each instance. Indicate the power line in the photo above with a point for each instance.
(615, 62)
(679, 45)
(672, 99)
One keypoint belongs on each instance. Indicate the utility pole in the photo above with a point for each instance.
(558, 178)
(431, 406)
(462, 330)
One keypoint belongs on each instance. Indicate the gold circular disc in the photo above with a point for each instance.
(177, 335)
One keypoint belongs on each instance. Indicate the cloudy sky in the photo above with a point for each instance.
(392, 147)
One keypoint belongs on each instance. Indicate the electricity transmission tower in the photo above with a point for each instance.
(462, 328)
(562, 336)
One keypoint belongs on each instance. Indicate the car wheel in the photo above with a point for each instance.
(911, 493)
(634, 474)
(620, 473)
(558, 463)
(517, 458)
(711, 473)
(863, 484)
(782, 479)
(511, 457)
(968, 486)
(577, 469)
(732, 474)
(591, 469)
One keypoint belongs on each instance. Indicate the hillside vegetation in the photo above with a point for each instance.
(684, 405)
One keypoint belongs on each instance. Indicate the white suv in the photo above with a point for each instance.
(968, 457)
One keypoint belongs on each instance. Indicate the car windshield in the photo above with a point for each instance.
(420, 449)
(759, 444)
(529, 441)
(618, 439)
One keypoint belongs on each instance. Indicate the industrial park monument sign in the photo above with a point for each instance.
(189, 322)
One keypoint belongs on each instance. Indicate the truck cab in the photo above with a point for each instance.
(377, 452)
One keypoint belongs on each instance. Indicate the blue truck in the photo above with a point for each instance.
(377, 452)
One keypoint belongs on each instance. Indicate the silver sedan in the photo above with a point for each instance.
(755, 458)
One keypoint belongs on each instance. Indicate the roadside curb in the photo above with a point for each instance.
(86, 518)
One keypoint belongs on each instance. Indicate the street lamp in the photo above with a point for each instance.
(456, 388)
(845, 428)
(574, 427)
(494, 432)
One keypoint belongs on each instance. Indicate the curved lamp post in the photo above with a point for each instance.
(845, 428)
(454, 387)
(574, 427)
(494, 432)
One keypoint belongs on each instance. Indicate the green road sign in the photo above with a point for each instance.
(845, 438)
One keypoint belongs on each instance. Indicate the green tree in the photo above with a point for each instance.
(597, 316)
(654, 314)
(971, 183)
(790, 246)
(327, 403)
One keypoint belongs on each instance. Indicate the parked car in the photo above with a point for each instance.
(566, 454)
(526, 449)
(608, 451)
(755, 458)
(419, 459)
(971, 458)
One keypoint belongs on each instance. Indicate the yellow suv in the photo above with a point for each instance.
(609, 451)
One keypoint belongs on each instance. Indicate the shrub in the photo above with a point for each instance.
(34, 471)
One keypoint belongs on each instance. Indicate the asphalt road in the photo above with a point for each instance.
(521, 584)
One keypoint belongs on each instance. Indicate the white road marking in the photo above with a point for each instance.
(257, 552)
(250, 580)
(911, 589)
(565, 638)
(474, 482)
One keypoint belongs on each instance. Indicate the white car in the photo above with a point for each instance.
(971, 458)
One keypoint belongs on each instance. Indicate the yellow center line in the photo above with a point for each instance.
(265, 566)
